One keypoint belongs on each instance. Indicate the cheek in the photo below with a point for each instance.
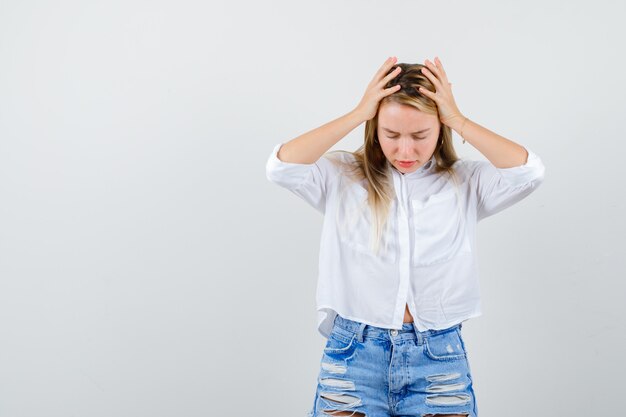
(388, 148)
(428, 144)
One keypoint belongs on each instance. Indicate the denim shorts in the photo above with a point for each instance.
(380, 372)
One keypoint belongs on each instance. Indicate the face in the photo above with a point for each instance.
(407, 135)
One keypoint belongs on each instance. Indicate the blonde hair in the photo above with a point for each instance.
(370, 162)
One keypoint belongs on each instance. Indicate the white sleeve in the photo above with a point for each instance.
(308, 181)
(499, 188)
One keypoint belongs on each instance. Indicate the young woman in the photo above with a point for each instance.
(398, 268)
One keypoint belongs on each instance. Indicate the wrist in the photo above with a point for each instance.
(358, 115)
(457, 123)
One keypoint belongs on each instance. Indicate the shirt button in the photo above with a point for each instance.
(394, 332)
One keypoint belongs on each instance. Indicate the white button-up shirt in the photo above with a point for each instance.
(429, 262)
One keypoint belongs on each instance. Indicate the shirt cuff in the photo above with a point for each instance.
(532, 170)
(288, 174)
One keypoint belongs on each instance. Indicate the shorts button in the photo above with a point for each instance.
(394, 332)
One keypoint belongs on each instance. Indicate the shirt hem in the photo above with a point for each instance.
(320, 308)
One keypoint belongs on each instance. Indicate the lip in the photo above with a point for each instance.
(406, 164)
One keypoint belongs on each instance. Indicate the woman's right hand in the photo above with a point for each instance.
(368, 106)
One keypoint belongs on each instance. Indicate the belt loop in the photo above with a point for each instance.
(417, 333)
(360, 332)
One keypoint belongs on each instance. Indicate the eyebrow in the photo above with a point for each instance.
(421, 131)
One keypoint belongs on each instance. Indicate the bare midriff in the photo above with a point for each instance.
(408, 318)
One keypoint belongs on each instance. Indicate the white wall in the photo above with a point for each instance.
(147, 266)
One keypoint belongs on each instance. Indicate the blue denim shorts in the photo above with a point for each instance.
(380, 372)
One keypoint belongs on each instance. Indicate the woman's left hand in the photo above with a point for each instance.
(449, 113)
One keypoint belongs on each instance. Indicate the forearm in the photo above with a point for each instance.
(309, 147)
(501, 152)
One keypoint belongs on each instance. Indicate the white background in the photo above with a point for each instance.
(149, 268)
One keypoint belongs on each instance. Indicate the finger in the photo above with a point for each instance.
(433, 68)
(441, 70)
(425, 91)
(390, 90)
(438, 71)
(384, 69)
(432, 78)
(391, 75)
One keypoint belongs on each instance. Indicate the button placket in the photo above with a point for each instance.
(404, 259)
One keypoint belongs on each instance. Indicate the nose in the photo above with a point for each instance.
(406, 149)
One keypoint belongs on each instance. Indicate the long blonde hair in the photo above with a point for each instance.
(370, 162)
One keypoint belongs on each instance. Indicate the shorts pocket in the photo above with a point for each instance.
(340, 342)
(446, 346)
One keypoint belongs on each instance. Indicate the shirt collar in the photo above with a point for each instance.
(421, 171)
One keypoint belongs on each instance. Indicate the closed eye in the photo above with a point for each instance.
(396, 137)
